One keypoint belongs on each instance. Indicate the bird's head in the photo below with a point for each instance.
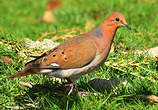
(117, 19)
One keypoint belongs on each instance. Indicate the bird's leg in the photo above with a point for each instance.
(70, 85)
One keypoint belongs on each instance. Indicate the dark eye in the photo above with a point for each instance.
(117, 19)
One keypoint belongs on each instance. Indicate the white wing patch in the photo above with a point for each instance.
(55, 64)
(45, 71)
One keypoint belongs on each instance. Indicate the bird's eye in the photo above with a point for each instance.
(117, 19)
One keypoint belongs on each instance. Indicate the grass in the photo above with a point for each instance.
(23, 19)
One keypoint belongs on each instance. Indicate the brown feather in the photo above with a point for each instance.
(78, 51)
(19, 74)
(67, 55)
(26, 72)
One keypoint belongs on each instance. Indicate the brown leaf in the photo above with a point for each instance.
(53, 4)
(6, 59)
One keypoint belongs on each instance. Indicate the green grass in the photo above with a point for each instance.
(23, 19)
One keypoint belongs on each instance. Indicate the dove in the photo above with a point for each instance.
(79, 55)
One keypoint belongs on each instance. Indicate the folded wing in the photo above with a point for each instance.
(74, 53)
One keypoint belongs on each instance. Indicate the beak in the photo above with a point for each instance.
(126, 25)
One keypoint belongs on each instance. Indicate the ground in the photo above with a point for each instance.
(24, 19)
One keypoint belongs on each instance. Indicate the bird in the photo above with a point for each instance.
(79, 55)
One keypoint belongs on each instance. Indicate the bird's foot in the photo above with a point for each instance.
(72, 88)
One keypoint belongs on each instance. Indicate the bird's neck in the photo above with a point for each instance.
(104, 35)
(109, 30)
(105, 42)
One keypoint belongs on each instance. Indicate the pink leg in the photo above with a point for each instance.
(72, 87)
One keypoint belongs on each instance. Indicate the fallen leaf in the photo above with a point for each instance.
(48, 16)
(53, 4)
(26, 84)
(6, 59)
(150, 98)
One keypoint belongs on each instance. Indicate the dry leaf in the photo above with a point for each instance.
(48, 16)
(53, 4)
(150, 98)
(6, 59)
(26, 84)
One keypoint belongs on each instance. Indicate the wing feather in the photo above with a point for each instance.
(73, 53)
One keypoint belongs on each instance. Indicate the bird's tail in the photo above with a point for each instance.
(20, 74)
(29, 71)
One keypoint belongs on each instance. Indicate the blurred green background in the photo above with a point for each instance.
(24, 19)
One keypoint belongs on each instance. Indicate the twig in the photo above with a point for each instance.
(50, 33)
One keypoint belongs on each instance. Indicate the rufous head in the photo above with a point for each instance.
(117, 19)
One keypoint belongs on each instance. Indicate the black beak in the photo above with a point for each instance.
(126, 25)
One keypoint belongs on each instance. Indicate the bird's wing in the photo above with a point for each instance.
(74, 53)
